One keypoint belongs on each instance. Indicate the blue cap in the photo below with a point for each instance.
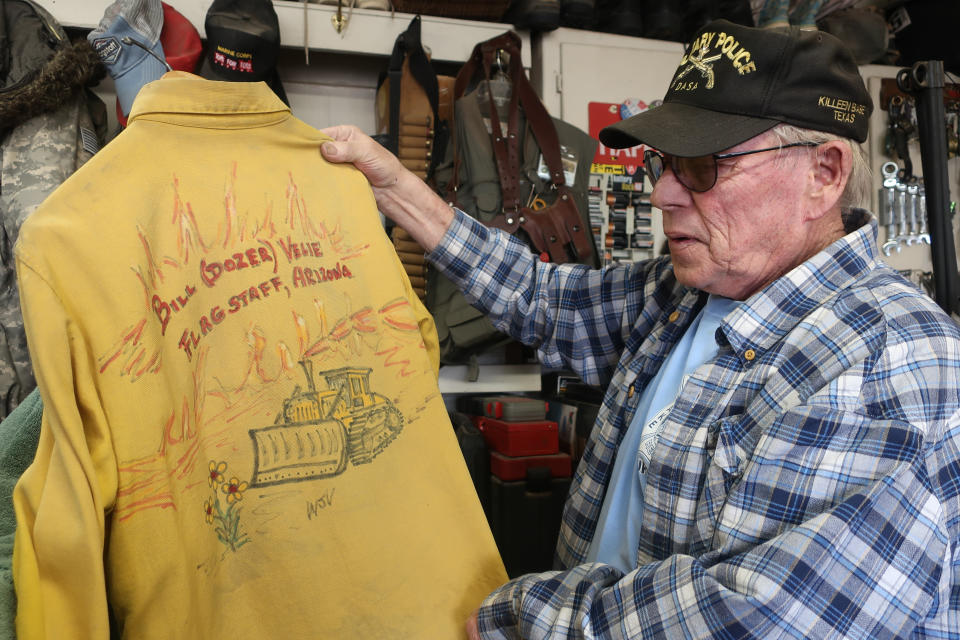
(129, 29)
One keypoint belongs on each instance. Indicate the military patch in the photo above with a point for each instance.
(89, 140)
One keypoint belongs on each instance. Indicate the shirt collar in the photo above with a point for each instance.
(181, 98)
(764, 318)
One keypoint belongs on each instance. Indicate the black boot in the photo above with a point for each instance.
(577, 13)
(620, 16)
(700, 12)
(663, 20)
(536, 15)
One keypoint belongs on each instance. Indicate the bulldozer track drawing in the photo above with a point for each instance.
(318, 431)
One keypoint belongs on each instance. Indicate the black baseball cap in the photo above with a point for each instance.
(243, 41)
(735, 82)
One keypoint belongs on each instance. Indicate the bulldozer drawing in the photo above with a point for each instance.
(318, 431)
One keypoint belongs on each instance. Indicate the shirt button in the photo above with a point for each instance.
(630, 392)
(749, 354)
(673, 316)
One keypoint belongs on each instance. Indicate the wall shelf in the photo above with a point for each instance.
(493, 378)
(368, 32)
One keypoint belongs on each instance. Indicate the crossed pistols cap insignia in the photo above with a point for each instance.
(700, 63)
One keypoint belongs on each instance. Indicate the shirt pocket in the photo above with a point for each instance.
(765, 478)
(723, 470)
(729, 521)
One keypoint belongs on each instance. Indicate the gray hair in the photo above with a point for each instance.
(859, 184)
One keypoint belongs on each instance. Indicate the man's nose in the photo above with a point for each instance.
(668, 189)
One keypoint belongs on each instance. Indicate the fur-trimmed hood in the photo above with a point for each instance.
(58, 70)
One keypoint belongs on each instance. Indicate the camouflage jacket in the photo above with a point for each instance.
(48, 131)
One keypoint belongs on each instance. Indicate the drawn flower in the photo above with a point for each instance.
(208, 510)
(225, 521)
(234, 490)
(216, 473)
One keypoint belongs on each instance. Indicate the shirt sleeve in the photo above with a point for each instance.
(576, 317)
(62, 498)
(875, 565)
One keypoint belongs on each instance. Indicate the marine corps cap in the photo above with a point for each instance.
(243, 41)
(735, 82)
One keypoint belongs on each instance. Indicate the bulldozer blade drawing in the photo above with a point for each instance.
(318, 431)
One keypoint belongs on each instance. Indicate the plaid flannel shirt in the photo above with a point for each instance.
(806, 483)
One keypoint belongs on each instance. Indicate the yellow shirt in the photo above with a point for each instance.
(243, 435)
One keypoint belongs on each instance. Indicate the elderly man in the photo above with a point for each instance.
(777, 451)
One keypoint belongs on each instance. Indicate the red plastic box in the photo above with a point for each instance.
(519, 438)
(515, 408)
(510, 468)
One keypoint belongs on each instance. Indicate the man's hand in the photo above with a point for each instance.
(401, 196)
(473, 631)
(381, 167)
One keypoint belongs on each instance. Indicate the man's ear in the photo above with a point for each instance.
(831, 170)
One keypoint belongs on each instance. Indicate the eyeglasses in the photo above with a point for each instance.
(699, 173)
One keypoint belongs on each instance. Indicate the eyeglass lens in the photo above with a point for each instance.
(696, 174)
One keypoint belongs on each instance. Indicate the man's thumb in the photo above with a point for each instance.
(330, 150)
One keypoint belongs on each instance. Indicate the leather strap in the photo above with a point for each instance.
(507, 148)
(506, 145)
(557, 230)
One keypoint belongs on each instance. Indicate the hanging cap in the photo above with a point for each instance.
(181, 44)
(180, 40)
(735, 82)
(125, 25)
(243, 41)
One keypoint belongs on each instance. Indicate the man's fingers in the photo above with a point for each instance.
(473, 630)
(340, 131)
(332, 151)
(351, 150)
(350, 145)
(347, 145)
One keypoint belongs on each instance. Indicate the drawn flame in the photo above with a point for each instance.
(204, 420)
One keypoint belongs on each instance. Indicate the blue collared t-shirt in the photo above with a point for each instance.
(618, 528)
